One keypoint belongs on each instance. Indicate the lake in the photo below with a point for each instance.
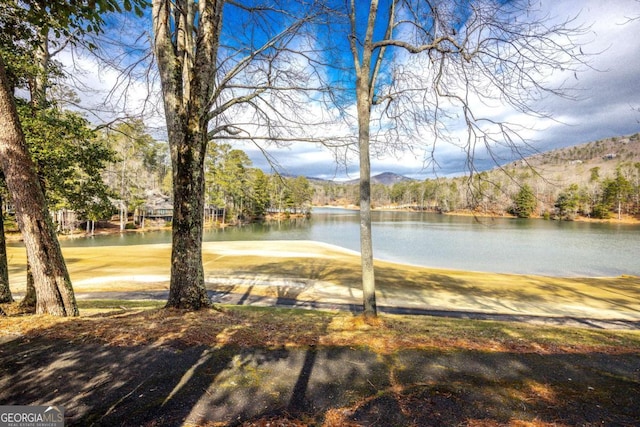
(523, 246)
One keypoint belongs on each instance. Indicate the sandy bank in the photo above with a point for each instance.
(313, 271)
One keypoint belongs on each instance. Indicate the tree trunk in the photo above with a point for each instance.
(29, 300)
(365, 83)
(5, 291)
(185, 93)
(124, 216)
(51, 278)
(619, 209)
(187, 288)
(366, 239)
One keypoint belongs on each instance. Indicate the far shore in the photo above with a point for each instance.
(14, 236)
(625, 219)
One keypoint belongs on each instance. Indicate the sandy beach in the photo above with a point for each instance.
(313, 271)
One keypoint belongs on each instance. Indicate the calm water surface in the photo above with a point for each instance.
(497, 245)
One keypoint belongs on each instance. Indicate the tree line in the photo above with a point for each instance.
(501, 193)
(90, 175)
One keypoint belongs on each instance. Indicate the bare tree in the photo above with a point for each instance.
(418, 65)
(226, 72)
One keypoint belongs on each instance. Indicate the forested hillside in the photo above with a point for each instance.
(599, 179)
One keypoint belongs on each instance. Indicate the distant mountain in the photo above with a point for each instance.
(575, 164)
(561, 166)
(579, 172)
(623, 148)
(316, 180)
(385, 178)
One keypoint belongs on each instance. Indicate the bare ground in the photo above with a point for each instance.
(129, 369)
(152, 377)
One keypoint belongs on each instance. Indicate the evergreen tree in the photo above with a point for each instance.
(260, 193)
(616, 192)
(567, 203)
(136, 168)
(69, 159)
(524, 202)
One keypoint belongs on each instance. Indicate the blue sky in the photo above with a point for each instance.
(607, 95)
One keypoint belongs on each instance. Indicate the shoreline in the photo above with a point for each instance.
(625, 220)
(15, 236)
(548, 269)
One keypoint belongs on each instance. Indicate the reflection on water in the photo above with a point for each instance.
(498, 245)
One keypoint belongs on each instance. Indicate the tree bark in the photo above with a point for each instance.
(366, 237)
(29, 301)
(51, 278)
(5, 290)
(187, 72)
(187, 288)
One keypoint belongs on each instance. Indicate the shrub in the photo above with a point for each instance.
(601, 211)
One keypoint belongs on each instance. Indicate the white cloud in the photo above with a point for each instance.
(106, 93)
(606, 96)
(605, 93)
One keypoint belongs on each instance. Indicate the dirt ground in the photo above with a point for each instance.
(173, 385)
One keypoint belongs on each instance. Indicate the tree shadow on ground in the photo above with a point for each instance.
(410, 290)
(171, 383)
(424, 288)
(288, 281)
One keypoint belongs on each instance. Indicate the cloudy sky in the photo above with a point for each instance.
(607, 102)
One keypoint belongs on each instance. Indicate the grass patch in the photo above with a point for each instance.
(112, 304)
(124, 323)
(437, 371)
